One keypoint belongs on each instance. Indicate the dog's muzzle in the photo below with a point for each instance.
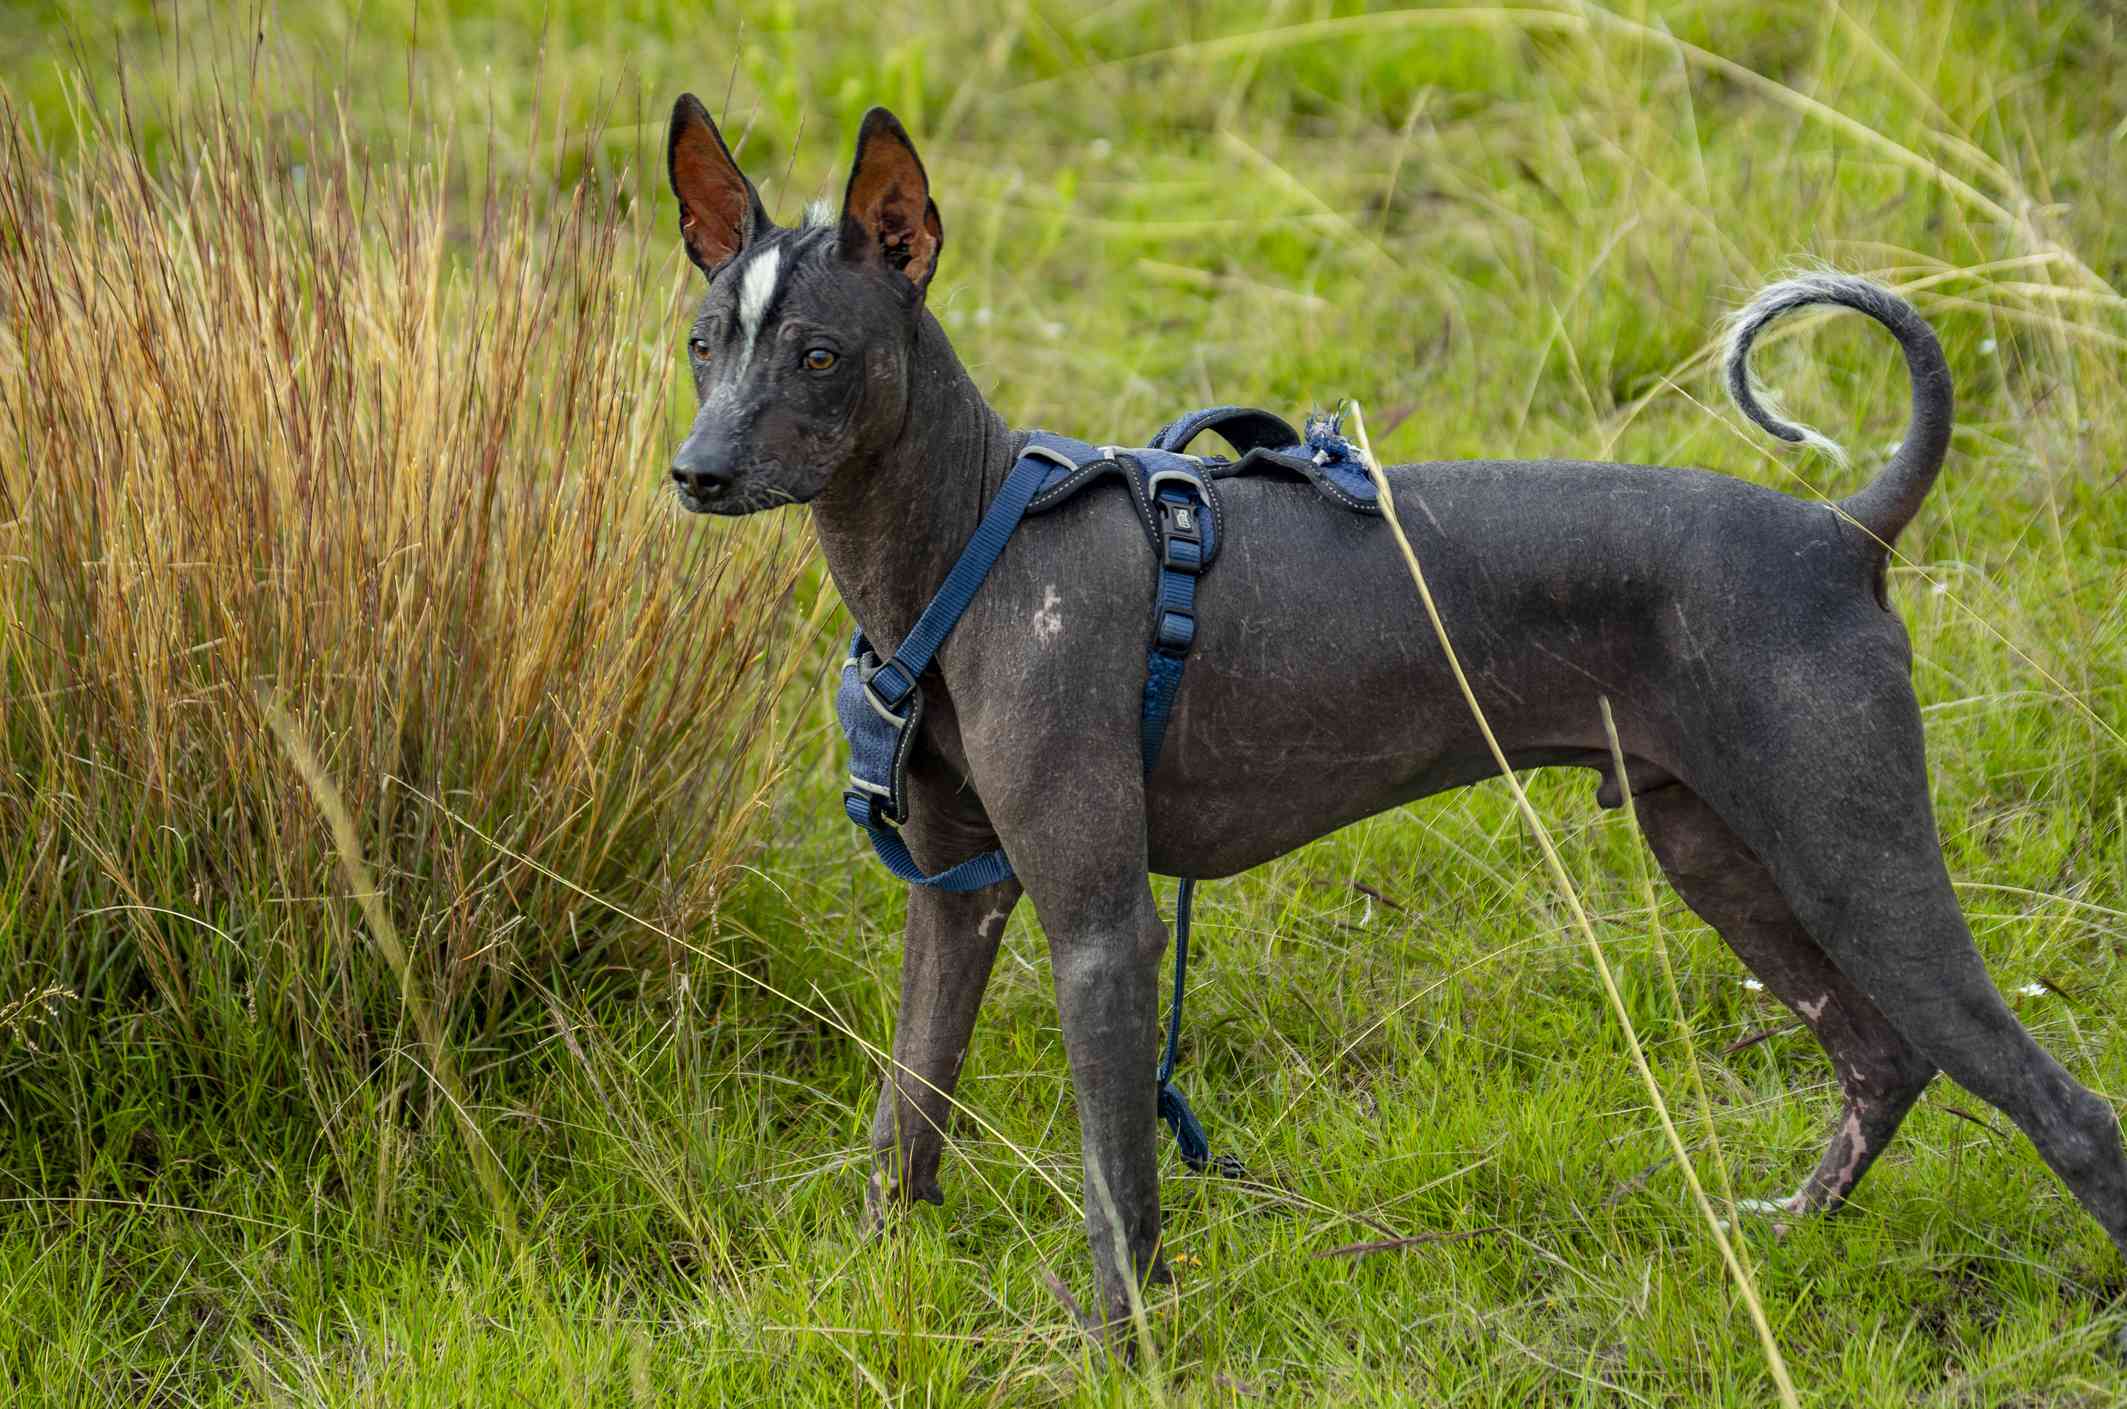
(703, 468)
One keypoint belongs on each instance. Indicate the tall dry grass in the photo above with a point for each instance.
(360, 442)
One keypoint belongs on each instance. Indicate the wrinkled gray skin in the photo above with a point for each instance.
(1759, 680)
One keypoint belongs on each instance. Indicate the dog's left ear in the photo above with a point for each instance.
(887, 215)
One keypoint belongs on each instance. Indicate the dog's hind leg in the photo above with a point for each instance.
(1930, 982)
(949, 948)
(1879, 1073)
(1832, 795)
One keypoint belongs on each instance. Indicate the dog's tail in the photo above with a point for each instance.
(1889, 501)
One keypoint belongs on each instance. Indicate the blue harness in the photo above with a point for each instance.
(880, 703)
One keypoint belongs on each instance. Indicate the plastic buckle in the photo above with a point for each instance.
(1181, 526)
(886, 706)
(861, 805)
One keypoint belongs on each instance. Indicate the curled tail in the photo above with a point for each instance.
(1888, 502)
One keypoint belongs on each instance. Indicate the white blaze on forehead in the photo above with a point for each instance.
(756, 288)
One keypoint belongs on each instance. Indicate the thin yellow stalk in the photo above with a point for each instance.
(1774, 1361)
(1661, 949)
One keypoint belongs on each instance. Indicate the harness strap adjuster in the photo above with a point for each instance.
(1177, 632)
(887, 686)
(1181, 536)
(860, 804)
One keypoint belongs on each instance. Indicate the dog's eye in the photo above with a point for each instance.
(818, 359)
(699, 348)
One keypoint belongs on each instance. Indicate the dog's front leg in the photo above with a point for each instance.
(1054, 750)
(1105, 950)
(950, 945)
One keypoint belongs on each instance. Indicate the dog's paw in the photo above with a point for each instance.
(1778, 1215)
(887, 1196)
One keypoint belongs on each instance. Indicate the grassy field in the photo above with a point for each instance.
(433, 966)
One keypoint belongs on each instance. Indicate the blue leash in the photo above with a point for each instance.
(1189, 1135)
(1174, 1107)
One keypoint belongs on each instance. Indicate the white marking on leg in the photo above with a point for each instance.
(1048, 622)
(996, 917)
(1856, 1150)
(1814, 1011)
(756, 288)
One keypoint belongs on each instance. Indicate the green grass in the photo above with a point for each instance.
(1505, 232)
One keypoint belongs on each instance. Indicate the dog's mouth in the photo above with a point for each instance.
(714, 502)
(740, 497)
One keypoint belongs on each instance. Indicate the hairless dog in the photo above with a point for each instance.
(1744, 638)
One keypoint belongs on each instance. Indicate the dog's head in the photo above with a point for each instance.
(801, 348)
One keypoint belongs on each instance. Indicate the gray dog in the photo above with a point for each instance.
(1744, 638)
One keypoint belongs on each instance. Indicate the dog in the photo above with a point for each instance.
(1760, 682)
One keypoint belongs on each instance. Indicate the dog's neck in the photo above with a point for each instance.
(891, 529)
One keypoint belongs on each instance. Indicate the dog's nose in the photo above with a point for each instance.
(702, 466)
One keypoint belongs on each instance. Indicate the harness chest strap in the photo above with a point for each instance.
(881, 705)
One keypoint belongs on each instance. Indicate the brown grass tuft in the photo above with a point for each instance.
(387, 452)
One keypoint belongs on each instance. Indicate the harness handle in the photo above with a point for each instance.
(1245, 428)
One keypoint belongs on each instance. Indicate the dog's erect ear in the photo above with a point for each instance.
(719, 211)
(887, 215)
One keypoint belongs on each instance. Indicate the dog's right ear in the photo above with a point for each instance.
(719, 211)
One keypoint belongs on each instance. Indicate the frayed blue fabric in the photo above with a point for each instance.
(1338, 460)
(1163, 676)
